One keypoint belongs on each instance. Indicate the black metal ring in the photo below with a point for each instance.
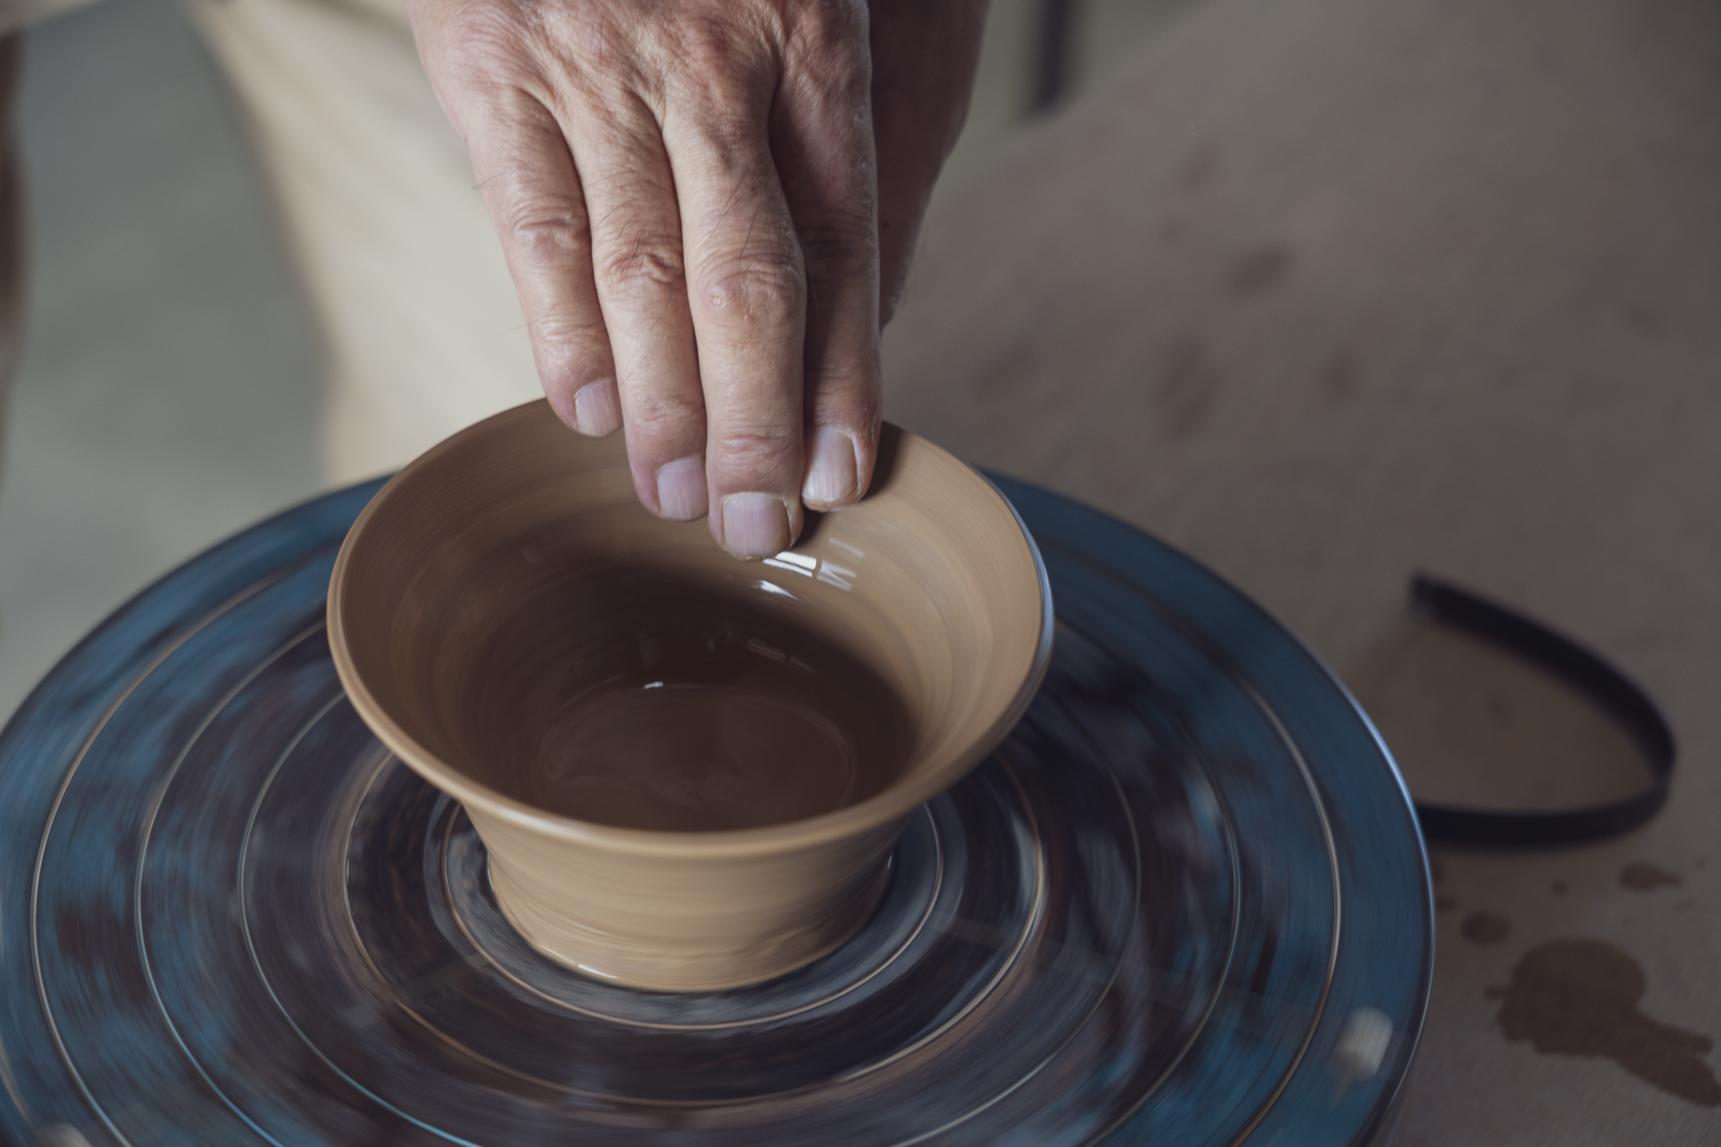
(1585, 672)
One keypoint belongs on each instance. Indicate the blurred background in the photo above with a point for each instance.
(1325, 291)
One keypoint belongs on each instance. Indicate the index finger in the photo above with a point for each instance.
(526, 172)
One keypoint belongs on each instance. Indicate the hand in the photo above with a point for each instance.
(689, 197)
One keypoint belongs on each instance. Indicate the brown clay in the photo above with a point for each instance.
(688, 771)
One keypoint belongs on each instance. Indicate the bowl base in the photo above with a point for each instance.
(681, 967)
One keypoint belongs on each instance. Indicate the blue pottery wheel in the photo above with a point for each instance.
(1186, 903)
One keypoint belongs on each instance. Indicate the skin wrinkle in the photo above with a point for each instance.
(645, 263)
(829, 178)
(673, 117)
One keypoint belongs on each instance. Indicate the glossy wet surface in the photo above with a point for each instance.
(663, 703)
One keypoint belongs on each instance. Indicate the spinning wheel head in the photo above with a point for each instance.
(1182, 902)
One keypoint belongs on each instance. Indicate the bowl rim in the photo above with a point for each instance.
(894, 802)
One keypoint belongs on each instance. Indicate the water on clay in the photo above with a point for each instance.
(672, 709)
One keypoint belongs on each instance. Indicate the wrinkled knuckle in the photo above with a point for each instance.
(768, 290)
(566, 348)
(843, 389)
(548, 234)
(842, 244)
(757, 451)
(566, 337)
(665, 416)
(854, 408)
(644, 265)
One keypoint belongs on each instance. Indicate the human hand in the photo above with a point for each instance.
(698, 207)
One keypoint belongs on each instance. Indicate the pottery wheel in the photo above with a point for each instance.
(1186, 903)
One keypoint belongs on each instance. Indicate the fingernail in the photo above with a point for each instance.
(597, 408)
(831, 471)
(681, 494)
(755, 525)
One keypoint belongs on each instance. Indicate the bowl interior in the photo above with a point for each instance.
(516, 627)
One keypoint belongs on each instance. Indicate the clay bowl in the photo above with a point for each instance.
(688, 771)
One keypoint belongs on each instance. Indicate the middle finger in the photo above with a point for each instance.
(747, 291)
(637, 263)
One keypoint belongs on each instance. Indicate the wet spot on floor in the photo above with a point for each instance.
(1579, 997)
(1257, 271)
(1340, 380)
(1201, 169)
(1485, 928)
(1642, 876)
(1185, 387)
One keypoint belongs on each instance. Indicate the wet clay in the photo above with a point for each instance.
(1579, 997)
(681, 707)
(688, 772)
(1485, 928)
(1642, 876)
